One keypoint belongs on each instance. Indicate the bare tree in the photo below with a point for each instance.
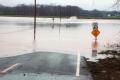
(117, 3)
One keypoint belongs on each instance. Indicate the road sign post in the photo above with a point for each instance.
(95, 31)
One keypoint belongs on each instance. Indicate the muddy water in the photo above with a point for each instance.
(70, 36)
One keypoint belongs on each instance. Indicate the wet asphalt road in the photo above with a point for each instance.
(42, 62)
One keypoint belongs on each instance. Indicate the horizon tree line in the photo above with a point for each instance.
(52, 11)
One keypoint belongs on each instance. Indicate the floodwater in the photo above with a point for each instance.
(69, 36)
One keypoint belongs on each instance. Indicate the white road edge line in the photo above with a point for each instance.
(10, 68)
(78, 64)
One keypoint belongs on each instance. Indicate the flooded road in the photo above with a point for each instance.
(55, 54)
(70, 36)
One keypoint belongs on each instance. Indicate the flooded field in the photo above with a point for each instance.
(57, 49)
(68, 36)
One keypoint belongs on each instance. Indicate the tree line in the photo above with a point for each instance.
(53, 11)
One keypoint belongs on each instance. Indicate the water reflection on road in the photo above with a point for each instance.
(95, 45)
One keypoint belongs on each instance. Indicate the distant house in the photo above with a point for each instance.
(73, 17)
(113, 14)
(109, 15)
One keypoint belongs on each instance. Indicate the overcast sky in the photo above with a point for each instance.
(85, 4)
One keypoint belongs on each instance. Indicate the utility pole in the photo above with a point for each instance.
(60, 13)
(35, 20)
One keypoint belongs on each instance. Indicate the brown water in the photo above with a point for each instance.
(69, 36)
